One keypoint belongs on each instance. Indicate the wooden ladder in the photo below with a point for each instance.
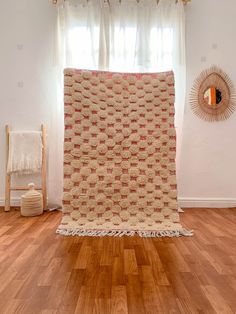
(9, 188)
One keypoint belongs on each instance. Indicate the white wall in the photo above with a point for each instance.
(208, 159)
(207, 174)
(27, 73)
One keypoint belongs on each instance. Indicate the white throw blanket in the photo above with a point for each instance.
(25, 152)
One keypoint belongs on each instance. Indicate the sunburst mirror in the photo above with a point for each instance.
(213, 95)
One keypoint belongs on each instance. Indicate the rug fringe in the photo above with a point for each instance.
(166, 233)
(120, 233)
(187, 233)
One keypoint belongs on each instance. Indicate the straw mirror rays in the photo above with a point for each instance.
(213, 96)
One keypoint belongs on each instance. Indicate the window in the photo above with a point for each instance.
(126, 52)
(83, 53)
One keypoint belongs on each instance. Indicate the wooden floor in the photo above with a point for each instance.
(41, 272)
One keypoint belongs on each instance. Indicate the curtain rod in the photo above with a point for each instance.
(184, 1)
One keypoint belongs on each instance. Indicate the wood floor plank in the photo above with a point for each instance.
(118, 274)
(130, 262)
(216, 300)
(134, 295)
(71, 293)
(119, 300)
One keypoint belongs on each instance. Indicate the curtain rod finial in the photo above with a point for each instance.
(186, 1)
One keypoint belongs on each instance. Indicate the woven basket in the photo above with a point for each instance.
(31, 202)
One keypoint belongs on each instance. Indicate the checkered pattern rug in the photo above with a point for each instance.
(119, 155)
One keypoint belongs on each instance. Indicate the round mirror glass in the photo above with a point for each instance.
(212, 96)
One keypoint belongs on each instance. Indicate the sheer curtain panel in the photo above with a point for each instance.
(125, 36)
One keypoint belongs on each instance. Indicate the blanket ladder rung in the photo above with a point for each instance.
(24, 188)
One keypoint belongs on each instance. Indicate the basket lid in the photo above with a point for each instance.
(31, 192)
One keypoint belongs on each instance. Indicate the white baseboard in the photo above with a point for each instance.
(15, 201)
(195, 202)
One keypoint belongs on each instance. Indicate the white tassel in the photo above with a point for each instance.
(121, 233)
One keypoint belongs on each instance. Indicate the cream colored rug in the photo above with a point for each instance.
(119, 155)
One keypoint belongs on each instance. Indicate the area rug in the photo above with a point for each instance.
(119, 155)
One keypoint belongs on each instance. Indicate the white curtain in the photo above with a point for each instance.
(125, 36)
